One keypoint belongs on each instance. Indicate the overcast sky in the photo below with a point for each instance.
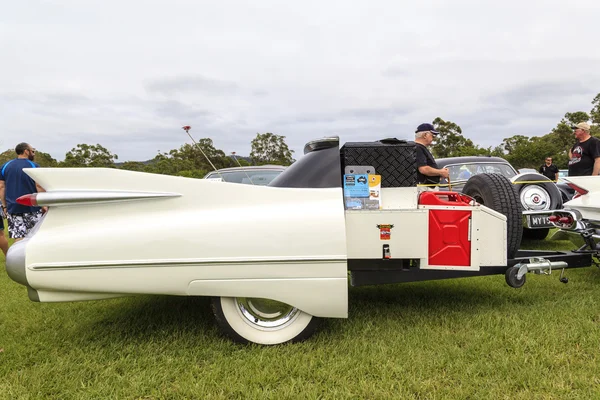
(128, 74)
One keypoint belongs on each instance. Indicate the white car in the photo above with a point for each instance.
(273, 258)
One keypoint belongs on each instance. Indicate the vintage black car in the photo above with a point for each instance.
(538, 194)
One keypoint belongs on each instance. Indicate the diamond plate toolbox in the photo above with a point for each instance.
(395, 162)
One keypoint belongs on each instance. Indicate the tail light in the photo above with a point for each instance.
(568, 220)
(28, 200)
(579, 191)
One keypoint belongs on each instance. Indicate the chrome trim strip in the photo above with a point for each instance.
(179, 263)
(63, 197)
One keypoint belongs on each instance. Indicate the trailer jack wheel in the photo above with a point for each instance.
(512, 278)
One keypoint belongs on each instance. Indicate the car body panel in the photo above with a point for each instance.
(212, 231)
(588, 205)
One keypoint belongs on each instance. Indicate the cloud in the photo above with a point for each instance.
(173, 109)
(362, 71)
(537, 93)
(191, 84)
(394, 72)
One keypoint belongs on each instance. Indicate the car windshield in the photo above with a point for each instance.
(250, 177)
(460, 172)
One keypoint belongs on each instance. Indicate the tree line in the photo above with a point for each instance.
(268, 148)
(188, 160)
(519, 150)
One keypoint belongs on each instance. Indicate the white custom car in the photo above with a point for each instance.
(273, 258)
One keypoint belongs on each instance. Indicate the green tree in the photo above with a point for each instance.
(512, 143)
(451, 143)
(43, 159)
(85, 155)
(595, 116)
(561, 139)
(7, 155)
(576, 117)
(595, 113)
(524, 152)
(268, 148)
(166, 164)
(190, 161)
(133, 166)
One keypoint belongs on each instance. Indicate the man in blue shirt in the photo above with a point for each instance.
(15, 183)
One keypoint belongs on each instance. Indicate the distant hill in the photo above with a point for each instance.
(147, 162)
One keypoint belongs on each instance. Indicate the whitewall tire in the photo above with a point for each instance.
(262, 321)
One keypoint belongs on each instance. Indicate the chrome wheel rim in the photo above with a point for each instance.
(265, 313)
(534, 197)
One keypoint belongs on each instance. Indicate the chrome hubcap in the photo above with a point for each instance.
(534, 197)
(265, 313)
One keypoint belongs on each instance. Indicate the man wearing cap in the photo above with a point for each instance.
(585, 154)
(428, 172)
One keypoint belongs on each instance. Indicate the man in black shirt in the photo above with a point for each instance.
(549, 170)
(428, 172)
(585, 153)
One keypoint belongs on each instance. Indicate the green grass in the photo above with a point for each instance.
(473, 338)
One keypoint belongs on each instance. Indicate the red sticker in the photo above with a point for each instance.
(385, 231)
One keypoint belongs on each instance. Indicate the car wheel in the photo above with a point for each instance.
(535, 234)
(496, 192)
(540, 195)
(262, 321)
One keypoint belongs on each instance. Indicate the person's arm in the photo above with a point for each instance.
(556, 176)
(430, 171)
(596, 166)
(595, 153)
(541, 170)
(3, 196)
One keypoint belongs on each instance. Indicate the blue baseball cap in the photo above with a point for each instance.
(426, 127)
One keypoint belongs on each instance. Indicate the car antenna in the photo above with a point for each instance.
(235, 158)
(187, 128)
(243, 170)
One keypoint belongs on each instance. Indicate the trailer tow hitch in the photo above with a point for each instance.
(515, 276)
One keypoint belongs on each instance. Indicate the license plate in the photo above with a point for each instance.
(539, 221)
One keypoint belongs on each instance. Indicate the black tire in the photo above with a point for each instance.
(511, 278)
(245, 320)
(535, 234)
(540, 189)
(497, 192)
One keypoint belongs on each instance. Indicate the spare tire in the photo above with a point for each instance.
(496, 192)
(540, 195)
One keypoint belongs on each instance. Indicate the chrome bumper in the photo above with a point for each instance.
(15, 267)
(15, 262)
